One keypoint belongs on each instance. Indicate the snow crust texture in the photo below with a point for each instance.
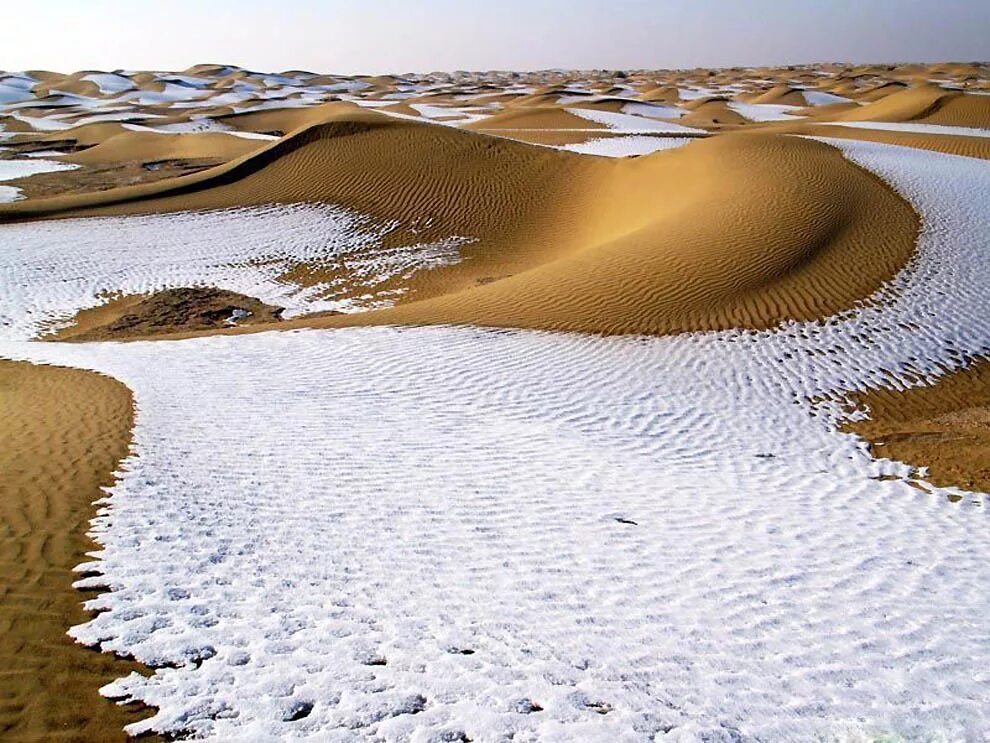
(626, 146)
(625, 122)
(446, 533)
(50, 270)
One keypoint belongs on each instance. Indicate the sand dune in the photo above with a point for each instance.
(662, 94)
(64, 432)
(780, 95)
(928, 103)
(962, 110)
(284, 120)
(540, 117)
(678, 244)
(130, 146)
(711, 112)
(678, 240)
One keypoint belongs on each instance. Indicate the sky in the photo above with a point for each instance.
(364, 36)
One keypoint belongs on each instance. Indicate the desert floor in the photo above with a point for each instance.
(556, 405)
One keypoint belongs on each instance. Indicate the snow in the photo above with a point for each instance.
(655, 110)
(40, 123)
(10, 93)
(693, 93)
(199, 126)
(171, 93)
(228, 98)
(244, 250)
(626, 146)
(913, 127)
(9, 194)
(821, 98)
(62, 99)
(344, 86)
(410, 534)
(765, 111)
(115, 116)
(632, 124)
(46, 153)
(191, 81)
(436, 112)
(11, 170)
(109, 83)
(279, 103)
(463, 116)
(253, 135)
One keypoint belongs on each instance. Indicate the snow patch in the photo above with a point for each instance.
(244, 250)
(632, 124)
(626, 146)
(765, 111)
(11, 170)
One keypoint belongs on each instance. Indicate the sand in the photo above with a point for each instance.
(130, 146)
(678, 240)
(673, 241)
(944, 426)
(750, 228)
(166, 312)
(927, 103)
(64, 433)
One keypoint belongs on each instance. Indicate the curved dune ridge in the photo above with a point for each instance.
(743, 230)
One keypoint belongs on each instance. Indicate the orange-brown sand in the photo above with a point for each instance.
(64, 433)
(944, 426)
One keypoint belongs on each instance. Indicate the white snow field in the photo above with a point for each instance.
(763, 112)
(10, 193)
(823, 98)
(445, 533)
(913, 127)
(49, 271)
(633, 124)
(625, 146)
(13, 169)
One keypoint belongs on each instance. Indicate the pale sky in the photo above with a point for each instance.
(363, 36)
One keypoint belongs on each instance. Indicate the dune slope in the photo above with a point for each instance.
(743, 230)
(65, 430)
